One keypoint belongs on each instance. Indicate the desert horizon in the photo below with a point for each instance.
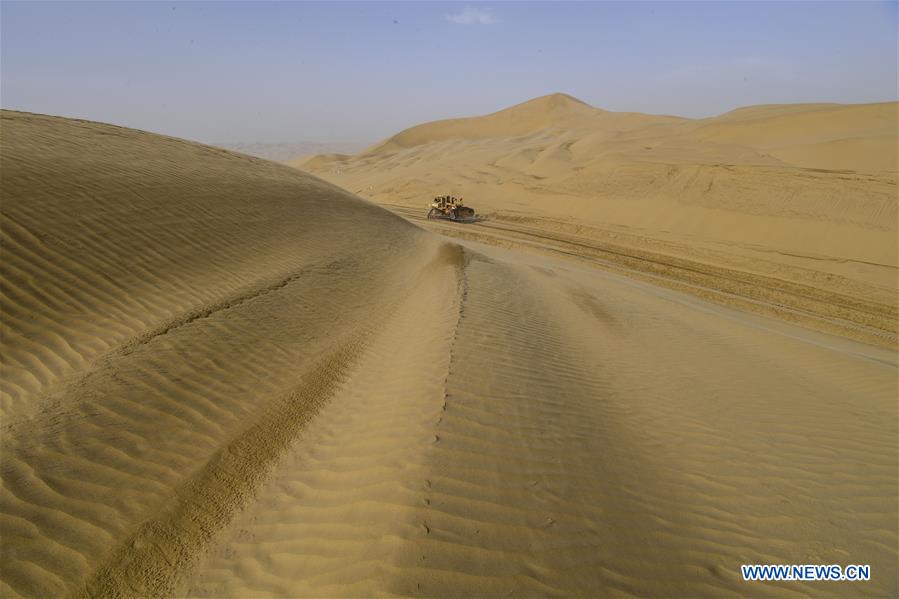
(542, 348)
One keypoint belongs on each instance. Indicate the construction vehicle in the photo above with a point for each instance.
(451, 208)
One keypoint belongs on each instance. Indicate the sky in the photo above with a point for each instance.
(359, 72)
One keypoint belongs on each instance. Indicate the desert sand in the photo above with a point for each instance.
(227, 377)
(793, 206)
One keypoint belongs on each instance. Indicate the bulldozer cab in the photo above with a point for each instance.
(446, 202)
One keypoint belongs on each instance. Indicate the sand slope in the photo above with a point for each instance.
(167, 309)
(224, 377)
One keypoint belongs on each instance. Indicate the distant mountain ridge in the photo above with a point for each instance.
(286, 151)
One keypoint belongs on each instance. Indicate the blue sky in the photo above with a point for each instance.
(292, 71)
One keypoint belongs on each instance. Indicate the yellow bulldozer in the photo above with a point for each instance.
(451, 208)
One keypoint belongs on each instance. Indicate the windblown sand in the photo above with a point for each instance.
(226, 377)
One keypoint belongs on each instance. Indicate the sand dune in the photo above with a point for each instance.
(553, 112)
(802, 193)
(171, 314)
(826, 136)
(225, 377)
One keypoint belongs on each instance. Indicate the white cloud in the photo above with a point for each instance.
(473, 16)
